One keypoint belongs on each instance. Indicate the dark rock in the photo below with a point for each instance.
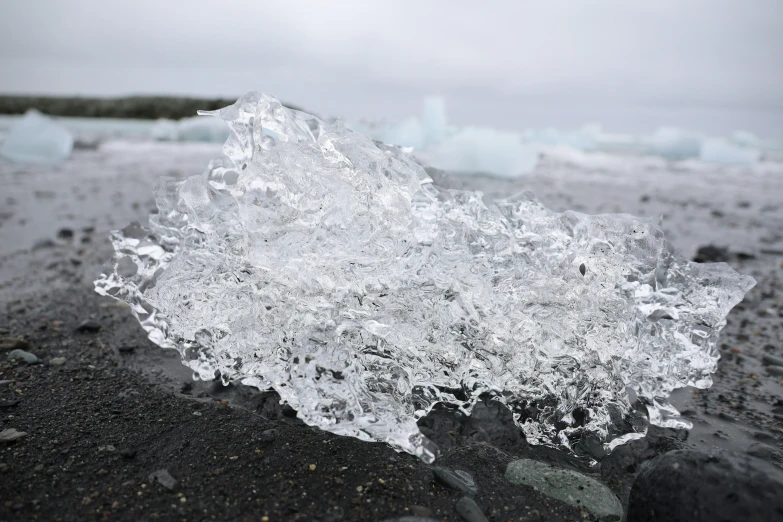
(44, 243)
(775, 370)
(10, 343)
(127, 453)
(267, 436)
(127, 348)
(771, 360)
(699, 486)
(456, 479)
(469, 510)
(9, 404)
(89, 326)
(711, 254)
(65, 233)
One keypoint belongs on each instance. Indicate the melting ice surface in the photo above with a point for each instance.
(317, 262)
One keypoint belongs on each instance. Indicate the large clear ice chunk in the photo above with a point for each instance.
(317, 262)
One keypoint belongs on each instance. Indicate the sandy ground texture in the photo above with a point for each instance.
(115, 429)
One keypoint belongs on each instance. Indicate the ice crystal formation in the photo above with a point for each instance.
(314, 261)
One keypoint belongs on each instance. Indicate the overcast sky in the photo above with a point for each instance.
(509, 64)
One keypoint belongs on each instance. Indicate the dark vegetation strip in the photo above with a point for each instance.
(140, 107)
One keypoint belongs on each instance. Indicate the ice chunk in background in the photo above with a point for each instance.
(714, 150)
(745, 138)
(584, 139)
(315, 261)
(676, 144)
(458, 149)
(434, 123)
(164, 130)
(196, 128)
(482, 150)
(37, 138)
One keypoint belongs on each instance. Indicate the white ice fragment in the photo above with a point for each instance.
(457, 149)
(676, 144)
(37, 138)
(329, 267)
(482, 150)
(196, 128)
(164, 130)
(715, 150)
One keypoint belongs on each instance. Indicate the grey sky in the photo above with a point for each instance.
(509, 64)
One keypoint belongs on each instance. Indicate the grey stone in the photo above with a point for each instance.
(455, 479)
(771, 360)
(27, 357)
(164, 478)
(57, 361)
(11, 434)
(775, 370)
(421, 511)
(89, 326)
(469, 510)
(567, 486)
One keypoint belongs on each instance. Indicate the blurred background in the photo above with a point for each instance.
(597, 106)
(713, 66)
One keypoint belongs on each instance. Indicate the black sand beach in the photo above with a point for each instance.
(114, 429)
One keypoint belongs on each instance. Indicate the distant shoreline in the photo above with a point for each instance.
(136, 107)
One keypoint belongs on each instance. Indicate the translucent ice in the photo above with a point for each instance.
(314, 261)
(721, 151)
(37, 138)
(457, 149)
(197, 128)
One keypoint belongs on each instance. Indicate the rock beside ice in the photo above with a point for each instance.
(37, 138)
(329, 267)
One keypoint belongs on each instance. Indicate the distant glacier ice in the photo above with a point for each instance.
(196, 128)
(512, 154)
(37, 138)
(315, 261)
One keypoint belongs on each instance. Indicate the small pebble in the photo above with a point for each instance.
(65, 233)
(57, 361)
(27, 357)
(775, 370)
(10, 343)
(268, 435)
(164, 478)
(128, 453)
(771, 360)
(88, 326)
(11, 434)
(469, 510)
(455, 479)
